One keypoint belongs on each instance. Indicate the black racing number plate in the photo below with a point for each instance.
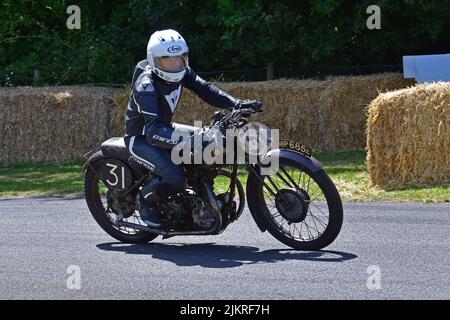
(116, 174)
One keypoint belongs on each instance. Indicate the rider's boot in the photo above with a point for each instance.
(149, 211)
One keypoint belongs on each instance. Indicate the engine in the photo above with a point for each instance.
(202, 217)
(175, 209)
(188, 211)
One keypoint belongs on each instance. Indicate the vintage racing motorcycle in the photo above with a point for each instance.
(298, 203)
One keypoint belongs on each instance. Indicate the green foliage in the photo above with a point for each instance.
(222, 34)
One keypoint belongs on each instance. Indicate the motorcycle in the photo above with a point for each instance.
(298, 204)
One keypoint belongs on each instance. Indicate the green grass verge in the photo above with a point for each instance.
(346, 169)
(65, 179)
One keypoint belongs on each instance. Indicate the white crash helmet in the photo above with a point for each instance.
(167, 55)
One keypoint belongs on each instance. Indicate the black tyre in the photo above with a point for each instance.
(99, 210)
(313, 192)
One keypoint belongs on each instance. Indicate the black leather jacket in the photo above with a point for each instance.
(153, 102)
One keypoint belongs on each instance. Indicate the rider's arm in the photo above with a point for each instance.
(207, 91)
(156, 132)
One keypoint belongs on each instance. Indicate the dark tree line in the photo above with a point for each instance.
(221, 34)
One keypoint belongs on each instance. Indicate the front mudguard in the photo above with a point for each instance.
(310, 163)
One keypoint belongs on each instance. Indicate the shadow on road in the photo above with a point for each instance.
(211, 255)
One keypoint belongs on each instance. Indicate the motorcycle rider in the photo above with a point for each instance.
(157, 85)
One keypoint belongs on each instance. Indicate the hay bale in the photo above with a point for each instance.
(343, 106)
(118, 116)
(53, 124)
(62, 123)
(325, 115)
(408, 137)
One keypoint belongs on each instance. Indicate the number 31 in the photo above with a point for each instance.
(114, 167)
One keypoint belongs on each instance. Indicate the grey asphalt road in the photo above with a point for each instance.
(384, 251)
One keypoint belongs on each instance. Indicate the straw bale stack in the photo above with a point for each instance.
(325, 115)
(408, 136)
(53, 124)
(63, 123)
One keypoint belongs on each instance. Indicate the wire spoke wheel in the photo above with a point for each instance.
(300, 208)
(113, 214)
(308, 217)
(105, 208)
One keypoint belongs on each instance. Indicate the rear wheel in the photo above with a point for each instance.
(100, 208)
(300, 208)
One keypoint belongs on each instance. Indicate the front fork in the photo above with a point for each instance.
(232, 184)
(275, 193)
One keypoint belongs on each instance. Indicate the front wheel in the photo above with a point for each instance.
(300, 208)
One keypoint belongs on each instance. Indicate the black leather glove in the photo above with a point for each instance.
(250, 104)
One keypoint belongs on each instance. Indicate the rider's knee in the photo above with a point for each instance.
(172, 174)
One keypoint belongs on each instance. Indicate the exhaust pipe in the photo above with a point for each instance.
(165, 233)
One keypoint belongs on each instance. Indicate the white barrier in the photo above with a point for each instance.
(429, 68)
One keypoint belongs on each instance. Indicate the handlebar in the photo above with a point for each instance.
(225, 119)
(233, 114)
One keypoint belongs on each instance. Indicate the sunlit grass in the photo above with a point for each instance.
(346, 169)
(65, 179)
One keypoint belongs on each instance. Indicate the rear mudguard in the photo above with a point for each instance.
(136, 170)
(253, 184)
(93, 158)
